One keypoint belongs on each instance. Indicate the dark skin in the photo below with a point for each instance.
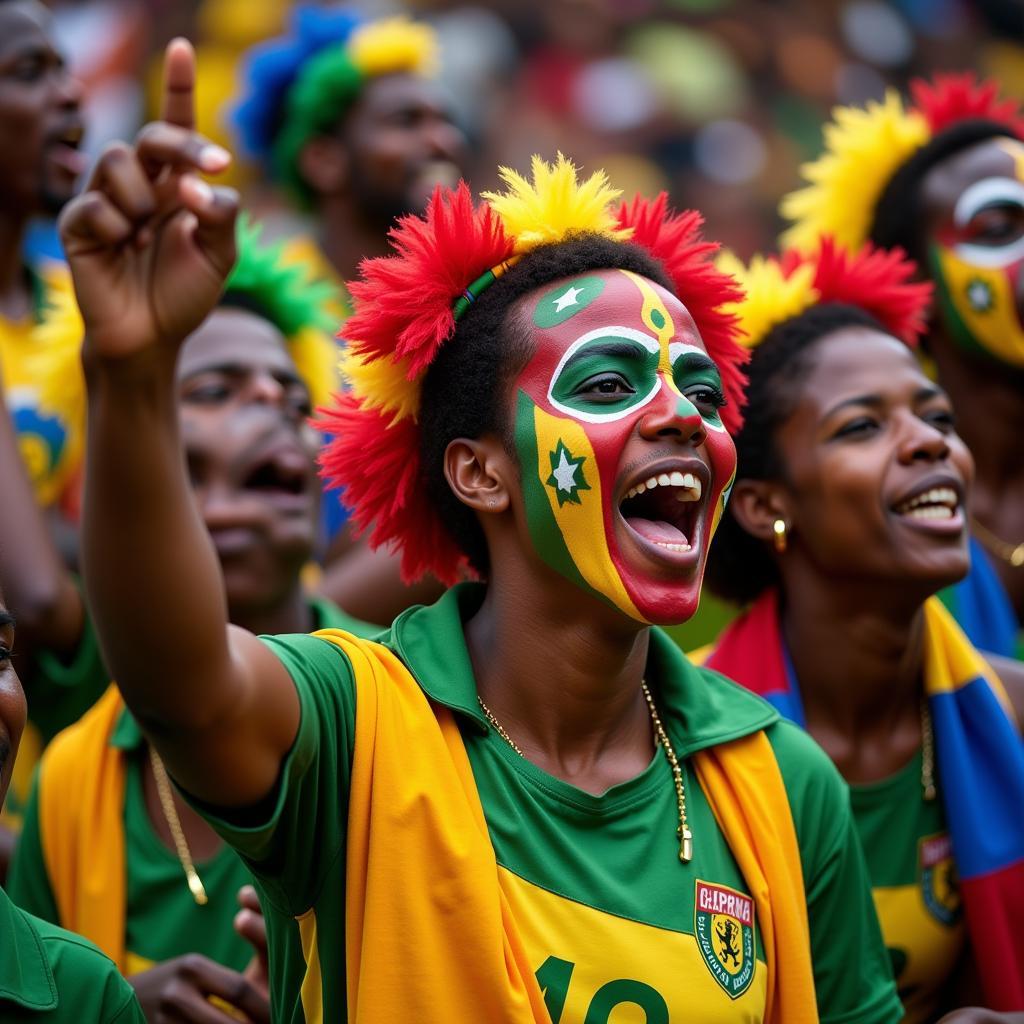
(389, 151)
(40, 129)
(867, 431)
(250, 454)
(220, 707)
(13, 711)
(985, 392)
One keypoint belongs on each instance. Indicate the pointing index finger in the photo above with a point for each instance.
(178, 103)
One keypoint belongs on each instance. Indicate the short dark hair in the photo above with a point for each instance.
(898, 216)
(740, 566)
(463, 391)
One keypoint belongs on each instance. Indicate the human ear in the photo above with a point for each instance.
(324, 165)
(479, 472)
(757, 505)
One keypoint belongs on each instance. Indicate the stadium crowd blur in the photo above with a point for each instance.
(717, 101)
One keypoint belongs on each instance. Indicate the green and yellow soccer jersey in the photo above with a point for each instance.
(914, 883)
(617, 928)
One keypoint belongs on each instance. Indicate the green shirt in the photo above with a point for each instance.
(600, 897)
(50, 975)
(914, 883)
(163, 920)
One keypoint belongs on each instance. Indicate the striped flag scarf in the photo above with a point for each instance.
(980, 759)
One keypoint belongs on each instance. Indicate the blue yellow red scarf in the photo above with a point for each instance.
(980, 758)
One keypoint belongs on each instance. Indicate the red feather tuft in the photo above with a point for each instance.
(404, 301)
(377, 463)
(674, 240)
(879, 281)
(951, 99)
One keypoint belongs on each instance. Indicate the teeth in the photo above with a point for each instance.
(939, 499)
(930, 512)
(673, 547)
(691, 486)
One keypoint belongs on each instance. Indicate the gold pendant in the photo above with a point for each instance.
(196, 888)
(685, 845)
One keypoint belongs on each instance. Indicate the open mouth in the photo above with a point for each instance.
(65, 150)
(663, 510)
(277, 476)
(935, 504)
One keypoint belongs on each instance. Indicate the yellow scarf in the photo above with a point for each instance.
(423, 888)
(81, 826)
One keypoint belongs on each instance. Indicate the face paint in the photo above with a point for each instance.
(613, 352)
(977, 263)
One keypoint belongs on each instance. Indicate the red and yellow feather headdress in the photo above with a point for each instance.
(878, 281)
(866, 147)
(407, 305)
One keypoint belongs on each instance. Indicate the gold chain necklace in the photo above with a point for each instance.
(927, 754)
(661, 739)
(1012, 554)
(163, 789)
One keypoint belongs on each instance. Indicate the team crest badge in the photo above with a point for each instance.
(940, 885)
(724, 927)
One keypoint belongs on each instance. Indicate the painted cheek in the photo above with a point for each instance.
(981, 304)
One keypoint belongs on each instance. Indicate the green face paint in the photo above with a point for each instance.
(563, 302)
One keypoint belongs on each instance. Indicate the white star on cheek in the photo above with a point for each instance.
(567, 298)
(565, 473)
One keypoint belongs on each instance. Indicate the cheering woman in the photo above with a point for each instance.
(848, 513)
(524, 805)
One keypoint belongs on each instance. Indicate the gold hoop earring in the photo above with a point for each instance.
(779, 535)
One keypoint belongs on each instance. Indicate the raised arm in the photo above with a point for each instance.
(150, 245)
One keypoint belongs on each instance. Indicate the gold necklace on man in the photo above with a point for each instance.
(660, 738)
(163, 789)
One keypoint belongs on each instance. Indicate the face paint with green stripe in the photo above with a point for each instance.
(976, 255)
(623, 453)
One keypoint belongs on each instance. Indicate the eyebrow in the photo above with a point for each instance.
(6, 619)
(692, 362)
(923, 394)
(240, 370)
(624, 349)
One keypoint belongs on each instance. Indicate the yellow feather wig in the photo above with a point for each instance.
(555, 205)
(772, 296)
(863, 150)
(392, 45)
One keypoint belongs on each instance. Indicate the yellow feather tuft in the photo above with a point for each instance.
(864, 147)
(393, 45)
(771, 297)
(555, 205)
(382, 384)
(315, 355)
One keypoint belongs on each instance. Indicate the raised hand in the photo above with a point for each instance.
(149, 242)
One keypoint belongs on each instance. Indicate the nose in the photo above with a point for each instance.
(444, 138)
(68, 89)
(672, 415)
(922, 442)
(266, 389)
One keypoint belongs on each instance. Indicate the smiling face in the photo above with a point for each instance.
(251, 454)
(12, 703)
(875, 473)
(40, 124)
(623, 455)
(974, 203)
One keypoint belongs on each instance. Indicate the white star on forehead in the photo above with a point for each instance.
(568, 298)
(565, 472)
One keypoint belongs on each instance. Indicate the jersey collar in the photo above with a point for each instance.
(25, 974)
(700, 707)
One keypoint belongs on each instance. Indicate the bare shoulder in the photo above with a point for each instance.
(1011, 675)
